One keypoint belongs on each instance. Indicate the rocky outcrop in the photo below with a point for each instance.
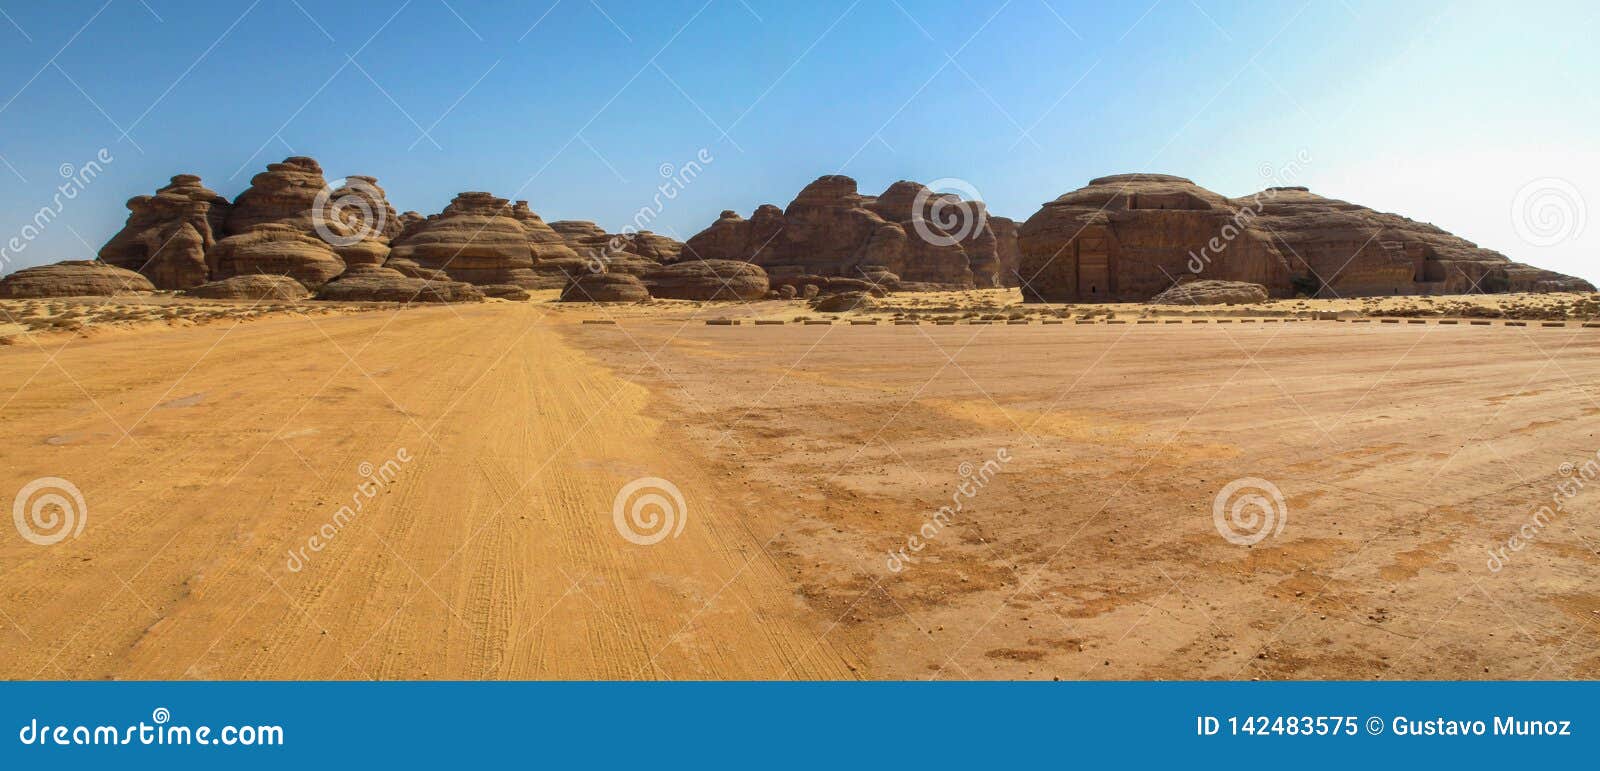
(947, 240)
(284, 194)
(708, 280)
(605, 288)
(74, 278)
(1212, 293)
(1132, 236)
(832, 230)
(859, 302)
(505, 292)
(276, 249)
(167, 234)
(555, 261)
(367, 251)
(654, 246)
(475, 239)
(807, 285)
(1005, 245)
(1129, 237)
(370, 283)
(636, 254)
(410, 222)
(364, 206)
(254, 287)
(409, 268)
(1345, 250)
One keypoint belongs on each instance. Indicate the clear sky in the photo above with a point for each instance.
(1442, 111)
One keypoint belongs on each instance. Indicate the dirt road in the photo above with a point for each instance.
(205, 456)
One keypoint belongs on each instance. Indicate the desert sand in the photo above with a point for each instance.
(208, 453)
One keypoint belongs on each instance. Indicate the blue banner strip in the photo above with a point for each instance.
(803, 725)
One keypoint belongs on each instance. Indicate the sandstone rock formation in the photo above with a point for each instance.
(167, 234)
(1212, 293)
(370, 283)
(556, 262)
(73, 278)
(842, 303)
(363, 205)
(654, 246)
(505, 292)
(279, 249)
(367, 251)
(410, 222)
(283, 194)
(947, 240)
(637, 254)
(807, 285)
(475, 239)
(252, 287)
(708, 280)
(830, 229)
(1130, 237)
(1353, 251)
(1005, 244)
(409, 268)
(605, 288)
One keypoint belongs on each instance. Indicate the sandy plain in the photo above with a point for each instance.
(209, 450)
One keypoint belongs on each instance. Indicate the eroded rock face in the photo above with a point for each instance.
(636, 254)
(555, 261)
(367, 251)
(74, 278)
(654, 246)
(1132, 236)
(365, 207)
(476, 239)
(1005, 244)
(708, 280)
(1212, 293)
(167, 234)
(254, 287)
(510, 292)
(825, 285)
(1129, 237)
(1346, 250)
(860, 302)
(832, 230)
(276, 249)
(605, 288)
(371, 283)
(283, 194)
(948, 242)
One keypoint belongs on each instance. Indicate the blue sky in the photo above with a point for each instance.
(1440, 111)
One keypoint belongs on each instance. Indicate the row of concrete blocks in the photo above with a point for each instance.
(1025, 322)
(1472, 322)
(974, 322)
